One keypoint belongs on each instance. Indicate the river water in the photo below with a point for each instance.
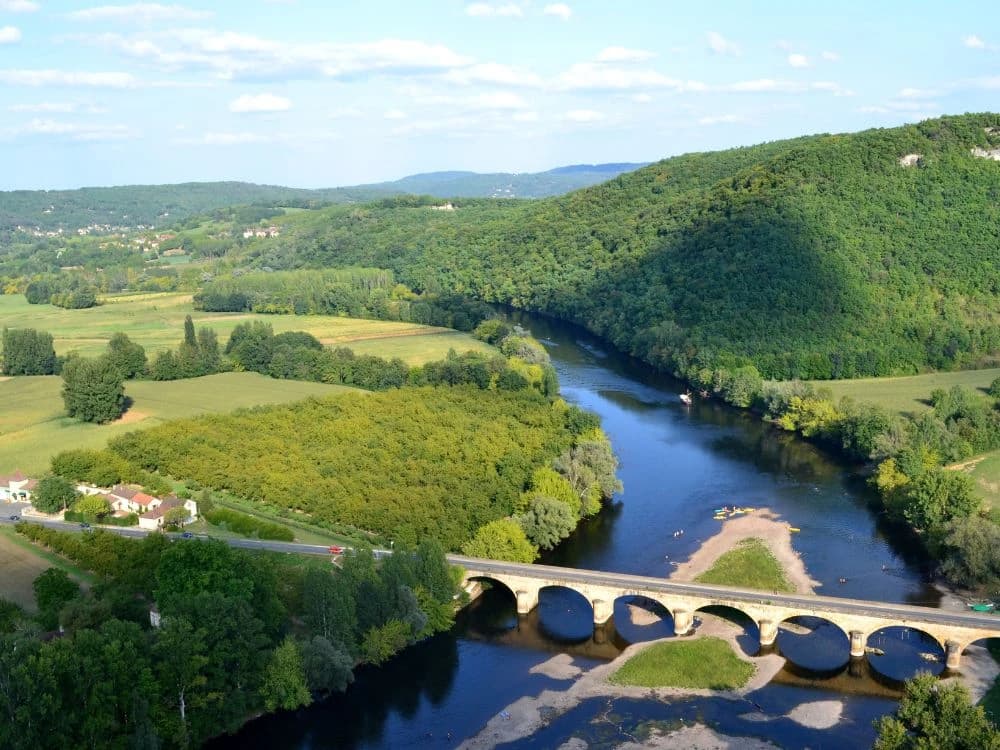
(678, 463)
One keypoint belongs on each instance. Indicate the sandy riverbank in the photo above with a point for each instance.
(527, 715)
(761, 524)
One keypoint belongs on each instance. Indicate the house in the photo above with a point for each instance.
(16, 487)
(131, 500)
(154, 518)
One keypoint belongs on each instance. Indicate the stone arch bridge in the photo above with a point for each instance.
(858, 619)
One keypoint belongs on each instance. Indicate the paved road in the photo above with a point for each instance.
(901, 612)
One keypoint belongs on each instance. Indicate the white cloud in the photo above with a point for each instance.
(584, 115)
(9, 34)
(499, 100)
(52, 107)
(494, 73)
(974, 42)
(598, 77)
(226, 139)
(559, 10)
(394, 114)
(486, 10)
(911, 93)
(14, 77)
(624, 55)
(798, 61)
(525, 117)
(721, 119)
(19, 6)
(139, 13)
(720, 45)
(763, 85)
(260, 103)
(831, 56)
(642, 98)
(72, 130)
(232, 55)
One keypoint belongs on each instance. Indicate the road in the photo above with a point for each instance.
(902, 612)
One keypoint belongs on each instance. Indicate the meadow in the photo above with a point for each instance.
(156, 321)
(34, 426)
(907, 395)
(22, 562)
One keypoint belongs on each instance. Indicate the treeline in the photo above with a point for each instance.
(813, 258)
(911, 453)
(237, 634)
(409, 464)
(355, 292)
(71, 291)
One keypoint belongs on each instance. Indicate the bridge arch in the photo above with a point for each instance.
(638, 618)
(565, 613)
(814, 642)
(900, 652)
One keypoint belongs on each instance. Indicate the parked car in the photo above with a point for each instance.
(84, 525)
(187, 535)
(15, 518)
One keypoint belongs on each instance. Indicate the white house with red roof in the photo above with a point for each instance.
(16, 487)
(131, 499)
(154, 518)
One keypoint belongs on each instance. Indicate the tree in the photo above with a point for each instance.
(92, 505)
(53, 589)
(329, 606)
(971, 549)
(93, 390)
(547, 521)
(938, 496)
(284, 679)
(994, 389)
(27, 352)
(503, 539)
(189, 337)
(380, 643)
(328, 667)
(182, 658)
(936, 715)
(53, 494)
(128, 356)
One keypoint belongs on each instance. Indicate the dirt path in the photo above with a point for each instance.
(762, 524)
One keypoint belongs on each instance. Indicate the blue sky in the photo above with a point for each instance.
(310, 93)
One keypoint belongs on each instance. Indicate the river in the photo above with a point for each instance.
(678, 463)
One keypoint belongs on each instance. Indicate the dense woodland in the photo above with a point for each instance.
(239, 633)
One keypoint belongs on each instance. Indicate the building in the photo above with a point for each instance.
(16, 488)
(131, 500)
(154, 518)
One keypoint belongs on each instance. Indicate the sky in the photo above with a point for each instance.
(313, 93)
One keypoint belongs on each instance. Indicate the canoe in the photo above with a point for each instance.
(794, 529)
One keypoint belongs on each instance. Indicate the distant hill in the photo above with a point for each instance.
(159, 205)
(505, 185)
(871, 253)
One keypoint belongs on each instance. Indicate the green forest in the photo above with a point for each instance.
(818, 257)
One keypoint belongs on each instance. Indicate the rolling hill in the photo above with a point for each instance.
(162, 205)
(826, 256)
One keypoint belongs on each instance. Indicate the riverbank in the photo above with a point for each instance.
(527, 715)
(760, 524)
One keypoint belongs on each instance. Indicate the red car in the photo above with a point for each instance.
(336, 550)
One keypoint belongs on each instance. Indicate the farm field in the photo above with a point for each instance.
(907, 395)
(34, 427)
(985, 472)
(22, 562)
(156, 321)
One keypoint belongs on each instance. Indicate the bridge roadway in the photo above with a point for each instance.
(857, 618)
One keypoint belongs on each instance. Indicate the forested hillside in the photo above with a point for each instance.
(818, 257)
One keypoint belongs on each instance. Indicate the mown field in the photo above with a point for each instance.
(911, 395)
(34, 426)
(907, 395)
(156, 321)
(22, 562)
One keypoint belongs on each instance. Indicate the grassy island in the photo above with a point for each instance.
(702, 663)
(751, 565)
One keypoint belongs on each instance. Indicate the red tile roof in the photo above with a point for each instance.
(17, 476)
(122, 490)
(161, 509)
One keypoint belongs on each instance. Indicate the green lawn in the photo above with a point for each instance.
(910, 394)
(22, 562)
(156, 321)
(985, 472)
(749, 564)
(34, 427)
(701, 663)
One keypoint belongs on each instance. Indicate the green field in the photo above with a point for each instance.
(22, 562)
(985, 472)
(156, 321)
(34, 426)
(907, 395)
(749, 564)
(702, 663)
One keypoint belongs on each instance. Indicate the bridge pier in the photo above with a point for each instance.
(526, 601)
(683, 622)
(768, 633)
(952, 655)
(858, 643)
(603, 610)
